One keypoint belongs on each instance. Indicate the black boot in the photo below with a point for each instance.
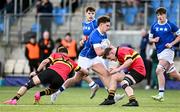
(108, 102)
(132, 103)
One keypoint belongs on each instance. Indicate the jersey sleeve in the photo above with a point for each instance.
(152, 31)
(95, 40)
(52, 57)
(76, 66)
(175, 29)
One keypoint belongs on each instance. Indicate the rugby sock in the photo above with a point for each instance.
(161, 92)
(17, 97)
(92, 84)
(45, 92)
(132, 98)
(111, 94)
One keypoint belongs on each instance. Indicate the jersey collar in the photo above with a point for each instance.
(99, 31)
(162, 23)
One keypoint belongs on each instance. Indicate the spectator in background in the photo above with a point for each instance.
(154, 81)
(2, 4)
(46, 45)
(32, 53)
(71, 45)
(9, 6)
(10, 10)
(57, 44)
(45, 8)
(147, 61)
(74, 4)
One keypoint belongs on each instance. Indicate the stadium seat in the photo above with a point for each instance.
(9, 66)
(26, 68)
(1, 24)
(109, 11)
(1, 27)
(155, 4)
(19, 66)
(35, 27)
(129, 15)
(166, 3)
(59, 14)
(100, 12)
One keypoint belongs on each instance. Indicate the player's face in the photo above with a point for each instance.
(105, 27)
(161, 17)
(90, 15)
(111, 57)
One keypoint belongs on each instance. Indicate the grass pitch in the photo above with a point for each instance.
(77, 100)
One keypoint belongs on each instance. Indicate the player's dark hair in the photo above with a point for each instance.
(106, 52)
(61, 49)
(161, 10)
(91, 9)
(68, 34)
(103, 19)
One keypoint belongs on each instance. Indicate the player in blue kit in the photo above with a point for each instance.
(90, 56)
(88, 26)
(162, 34)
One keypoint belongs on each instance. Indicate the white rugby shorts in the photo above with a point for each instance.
(87, 63)
(167, 54)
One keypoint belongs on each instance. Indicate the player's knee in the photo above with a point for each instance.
(29, 84)
(172, 69)
(124, 84)
(160, 69)
(114, 77)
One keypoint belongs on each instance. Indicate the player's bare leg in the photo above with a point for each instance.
(68, 83)
(115, 79)
(33, 82)
(161, 68)
(92, 84)
(173, 72)
(105, 77)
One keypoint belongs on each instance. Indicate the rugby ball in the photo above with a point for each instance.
(105, 43)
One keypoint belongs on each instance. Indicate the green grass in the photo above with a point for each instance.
(77, 100)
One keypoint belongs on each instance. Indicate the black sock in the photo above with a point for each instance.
(111, 94)
(42, 93)
(132, 98)
(17, 97)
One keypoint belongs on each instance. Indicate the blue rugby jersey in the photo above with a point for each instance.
(88, 27)
(165, 32)
(95, 38)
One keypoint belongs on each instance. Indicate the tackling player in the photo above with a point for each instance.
(162, 34)
(88, 26)
(131, 60)
(90, 56)
(55, 75)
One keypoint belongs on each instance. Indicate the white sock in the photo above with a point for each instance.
(92, 85)
(161, 92)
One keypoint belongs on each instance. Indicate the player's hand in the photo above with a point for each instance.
(84, 38)
(168, 45)
(81, 42)
(32, 74)
(113, 71)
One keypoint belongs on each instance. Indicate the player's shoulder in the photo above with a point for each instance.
(94, 33)
(170, 23)
(154, 24)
